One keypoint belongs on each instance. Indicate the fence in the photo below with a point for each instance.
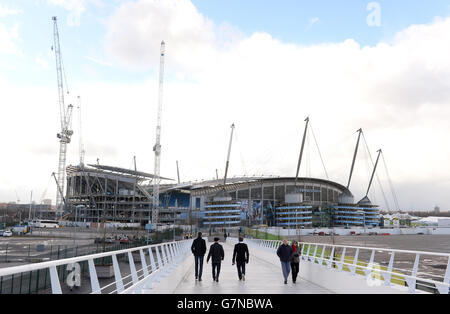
(66, 275)
(380, 266)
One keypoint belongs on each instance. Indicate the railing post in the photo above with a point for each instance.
(331, 260)
(54, 279)
(165, 259)
(307, 253)
(322, 256)
(315, 253)
(444, 289)
(175, 248)
(117, 275)
(388, 275)
(175, 257)
(95, 286)
(355, 260)
(143, 263)
(168, 253)
(152, 259)
(341, 263)
(158, 258)
(133, 272)
(154, 275)
(412, 281)
(368, 271)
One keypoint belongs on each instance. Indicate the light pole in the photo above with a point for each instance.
(364, 223)
(174, 220)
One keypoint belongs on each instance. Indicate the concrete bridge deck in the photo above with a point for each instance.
(263, 275)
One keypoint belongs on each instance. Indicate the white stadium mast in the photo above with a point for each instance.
(157, 147)
(66, 116)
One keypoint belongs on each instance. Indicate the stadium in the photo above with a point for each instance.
(102, 193)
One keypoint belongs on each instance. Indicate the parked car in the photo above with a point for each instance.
(124, 240)
(109, 240)
(1, 232)
(7, 233)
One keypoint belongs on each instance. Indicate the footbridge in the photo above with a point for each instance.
(168, 268)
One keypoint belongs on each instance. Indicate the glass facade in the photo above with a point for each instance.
(264, 199)
(222, 214)
(354, 215)
(292, 216)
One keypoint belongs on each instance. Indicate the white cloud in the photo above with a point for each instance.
(75, 7)
(7, 11)
(42, 62)
(9, 38)
(99, 61)
(313, 21)
(190, 36)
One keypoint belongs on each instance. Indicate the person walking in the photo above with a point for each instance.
(284, 252)
(295, 260)
(198, 248)
(240, 256)
(216, 254)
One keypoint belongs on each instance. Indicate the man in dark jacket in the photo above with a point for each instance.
(241, 255)
(284, 252)
(217, 255)
(198, 248)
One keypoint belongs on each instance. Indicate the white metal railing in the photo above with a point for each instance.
(168, 256)
(327, 255)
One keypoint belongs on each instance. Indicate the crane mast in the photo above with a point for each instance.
(81, 145)
(157, 147)
(66, 116)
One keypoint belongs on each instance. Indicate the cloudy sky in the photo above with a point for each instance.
(264, 65)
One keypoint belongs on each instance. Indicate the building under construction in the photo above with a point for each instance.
(97, 193)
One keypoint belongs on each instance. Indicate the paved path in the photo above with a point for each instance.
(262, 277)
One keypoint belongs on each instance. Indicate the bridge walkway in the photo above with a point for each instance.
(262, 277)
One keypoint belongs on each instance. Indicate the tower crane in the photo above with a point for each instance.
(66, 133)
(17, 196)
(157, 147)
(81, 145)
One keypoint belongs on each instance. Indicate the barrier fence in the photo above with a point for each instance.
(380, 266)
(117, 269)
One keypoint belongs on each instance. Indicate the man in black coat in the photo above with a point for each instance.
(241, 255)
(198, 248)
(284, 252)
(217, 254)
